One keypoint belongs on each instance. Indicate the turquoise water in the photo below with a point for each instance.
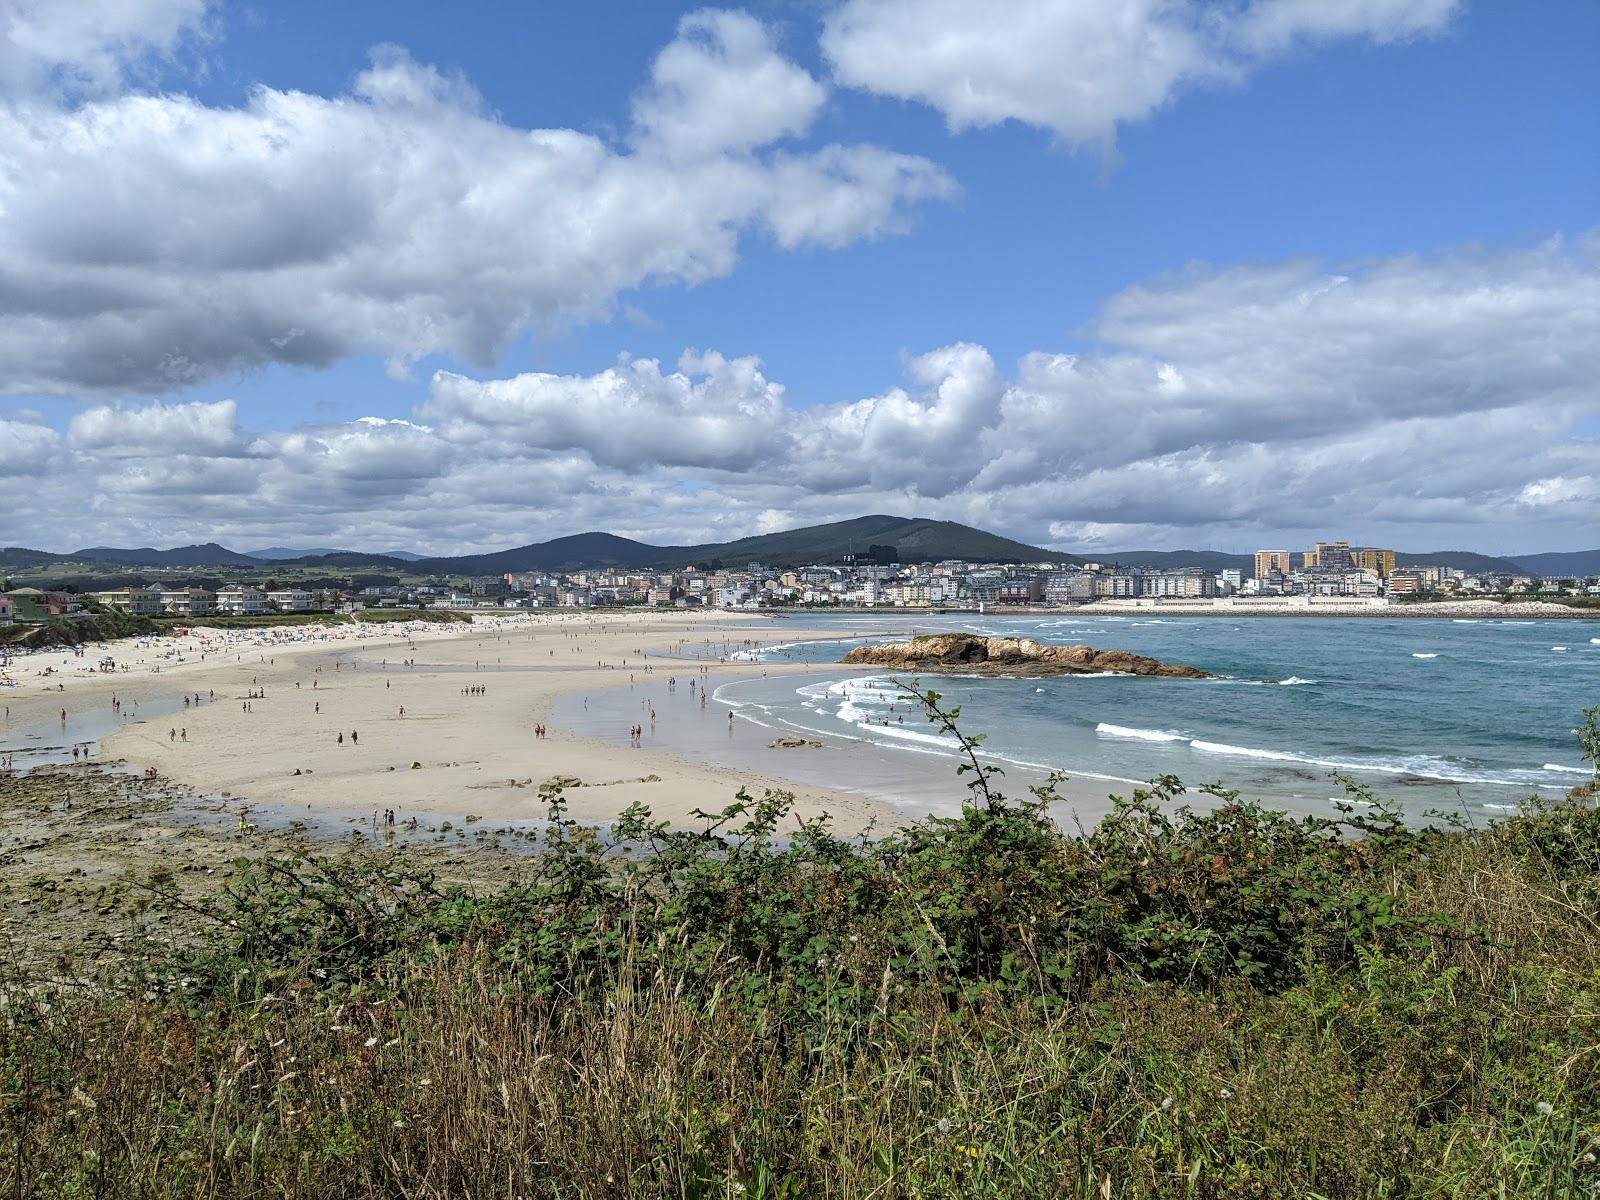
(1436, 713)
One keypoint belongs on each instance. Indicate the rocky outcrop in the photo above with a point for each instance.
(793, 743)
(967, 654)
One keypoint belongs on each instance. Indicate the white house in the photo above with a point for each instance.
(236, 601)
(143, 601)
(8, 611)
(188, 602)
(291, 600)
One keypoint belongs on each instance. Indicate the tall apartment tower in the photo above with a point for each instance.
(1268, 561)
(1330, 556)
(1381, 561)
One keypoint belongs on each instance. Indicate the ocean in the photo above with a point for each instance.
(1436, 714)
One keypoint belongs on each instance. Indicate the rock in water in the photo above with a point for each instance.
(968, 654)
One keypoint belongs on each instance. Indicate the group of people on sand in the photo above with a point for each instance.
(476, 689)
(173, 735)
(538, 731)
(355, 739)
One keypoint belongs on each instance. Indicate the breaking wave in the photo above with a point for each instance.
(1143, 735)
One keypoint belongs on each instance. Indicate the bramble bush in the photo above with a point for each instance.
(1204, 1002)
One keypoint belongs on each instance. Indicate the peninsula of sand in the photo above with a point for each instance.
(417, 718)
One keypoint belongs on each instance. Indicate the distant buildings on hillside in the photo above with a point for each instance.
(1328, 570)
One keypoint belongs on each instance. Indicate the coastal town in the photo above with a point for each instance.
(1331, 575)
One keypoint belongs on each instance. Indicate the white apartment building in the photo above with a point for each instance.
(291, 600)
(236, 601)
(142, 601)
(1185, 585)
(188, 602)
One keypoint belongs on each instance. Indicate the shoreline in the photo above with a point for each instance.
(1475, 610)
(452, 755)
(276, 705)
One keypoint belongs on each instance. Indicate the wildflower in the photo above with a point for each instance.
(371, 1042)
(1545, 1109)
(1225, 1093)
(1588, 1159)
(969, 1151)
(1166, 1105)
(942, 1125)
(822, 960)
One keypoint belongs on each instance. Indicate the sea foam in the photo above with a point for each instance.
(1143, 735)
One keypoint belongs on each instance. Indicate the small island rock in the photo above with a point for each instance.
(968, 654)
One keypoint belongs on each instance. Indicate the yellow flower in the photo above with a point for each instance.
(969, 1151)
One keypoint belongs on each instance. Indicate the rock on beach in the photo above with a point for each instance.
(965, 654)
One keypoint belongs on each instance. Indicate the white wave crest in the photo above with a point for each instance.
(1246, 751)
(1143, 735)
(1564, 769)
(1419, 654)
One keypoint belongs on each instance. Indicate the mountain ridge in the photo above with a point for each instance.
(912, 539)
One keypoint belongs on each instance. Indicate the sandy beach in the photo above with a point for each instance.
(273, 704)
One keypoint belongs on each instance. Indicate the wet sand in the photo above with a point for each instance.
(272, 707)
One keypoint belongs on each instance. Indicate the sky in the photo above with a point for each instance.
(1107, 274)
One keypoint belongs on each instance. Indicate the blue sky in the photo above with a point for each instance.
(1419, 160)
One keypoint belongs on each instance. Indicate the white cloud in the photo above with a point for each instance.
(712, 412)
(158, 430)
(1085, 67)
(400, 218)
(90, 44)
(721, 85)
(1425, 401)
(26, 448)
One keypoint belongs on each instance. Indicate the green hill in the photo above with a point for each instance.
(208, 554)
(915, 539)
(578, 550)
(1462, 560)
(1574, 562)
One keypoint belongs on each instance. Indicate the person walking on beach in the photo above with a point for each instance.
(341, 739)
(353, 737)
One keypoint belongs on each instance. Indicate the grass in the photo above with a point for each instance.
(1219, 1003)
